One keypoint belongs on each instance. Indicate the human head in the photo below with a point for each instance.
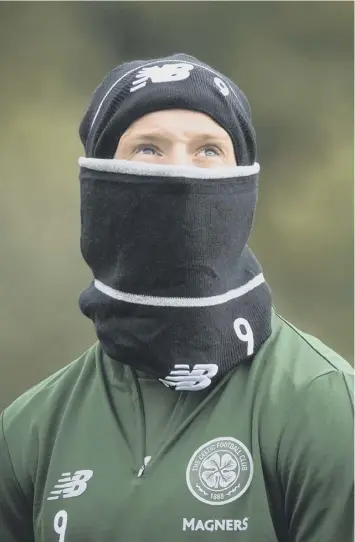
(138, 88)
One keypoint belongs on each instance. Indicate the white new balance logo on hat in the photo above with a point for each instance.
(71, 486)
(161, 74)
(184, 379)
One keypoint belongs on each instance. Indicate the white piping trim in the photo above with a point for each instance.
(150, 64)
(160, 170)
(180, 301)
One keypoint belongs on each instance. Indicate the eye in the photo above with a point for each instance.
(147, 149)
(210, 151)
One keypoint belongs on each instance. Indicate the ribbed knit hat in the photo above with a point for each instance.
(180, 81)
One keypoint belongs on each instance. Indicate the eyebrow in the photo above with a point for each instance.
(153, 136)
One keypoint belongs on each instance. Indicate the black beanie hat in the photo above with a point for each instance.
(180, 81)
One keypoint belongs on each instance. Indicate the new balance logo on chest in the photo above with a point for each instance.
(70, 485)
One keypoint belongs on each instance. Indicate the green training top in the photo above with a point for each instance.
(97, 453)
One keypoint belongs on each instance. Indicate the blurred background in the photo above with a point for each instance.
(294, 60)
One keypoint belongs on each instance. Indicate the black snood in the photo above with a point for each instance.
(176, 293)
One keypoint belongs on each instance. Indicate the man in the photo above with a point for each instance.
(200, 413)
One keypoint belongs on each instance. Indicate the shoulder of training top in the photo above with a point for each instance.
(54, 391)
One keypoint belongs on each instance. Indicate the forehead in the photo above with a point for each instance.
(192, 123)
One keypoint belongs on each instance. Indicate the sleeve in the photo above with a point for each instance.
(15, 507)
(316, 462)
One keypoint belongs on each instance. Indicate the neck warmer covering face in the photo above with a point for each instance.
(176, 293)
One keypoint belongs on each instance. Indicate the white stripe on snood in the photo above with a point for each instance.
(159, 170)
(188, 302)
